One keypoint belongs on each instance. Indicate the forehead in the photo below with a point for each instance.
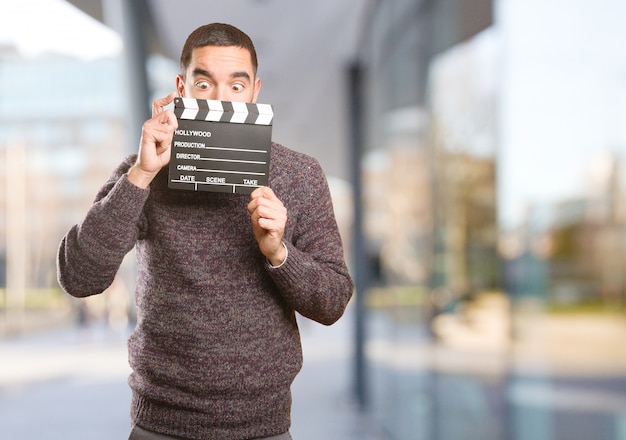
(220, 58)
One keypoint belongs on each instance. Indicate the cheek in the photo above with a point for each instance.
(251, 96)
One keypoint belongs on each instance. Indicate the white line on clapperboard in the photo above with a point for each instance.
(234, 185)
(232, 160)
(231, 172)
(235, 149)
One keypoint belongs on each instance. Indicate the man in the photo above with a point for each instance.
(220, 276)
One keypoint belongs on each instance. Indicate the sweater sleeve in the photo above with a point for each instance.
(314, 278)
(92, 251)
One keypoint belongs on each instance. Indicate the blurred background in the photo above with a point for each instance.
(476, 155)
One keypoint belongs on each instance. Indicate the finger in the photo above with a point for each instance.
(165, 122)
(263, 196)
(257, 198)
(254, 202)
(256, 193)
(268, 208)
(169, 118)
(271, 225)
(272, 220)
(158, 104)
(263, 191)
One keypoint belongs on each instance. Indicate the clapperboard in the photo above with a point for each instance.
(220, 146)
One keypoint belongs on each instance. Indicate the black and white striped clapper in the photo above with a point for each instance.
(220, 146)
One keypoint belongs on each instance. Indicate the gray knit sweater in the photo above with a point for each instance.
(216, 346)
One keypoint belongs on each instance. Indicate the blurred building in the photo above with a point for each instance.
(58, 145)
(430, 206)
(495, 240)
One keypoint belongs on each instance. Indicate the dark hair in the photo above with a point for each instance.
(216, 34)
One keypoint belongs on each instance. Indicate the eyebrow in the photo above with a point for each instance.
(201, 72)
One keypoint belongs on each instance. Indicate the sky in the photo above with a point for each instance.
(563, 100)
(36, 27)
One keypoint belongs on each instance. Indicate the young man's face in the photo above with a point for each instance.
(220, 73)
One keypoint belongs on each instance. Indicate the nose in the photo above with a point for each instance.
(219, 93)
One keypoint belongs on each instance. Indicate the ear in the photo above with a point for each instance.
(180, 85)
(257, 89)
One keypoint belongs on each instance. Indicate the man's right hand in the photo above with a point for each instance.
(156, 141)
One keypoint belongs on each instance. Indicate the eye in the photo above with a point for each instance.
(202, 85)
(237, 87)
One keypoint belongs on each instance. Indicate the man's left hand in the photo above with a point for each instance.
(268, 216)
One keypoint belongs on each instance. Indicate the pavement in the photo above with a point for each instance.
(70, 383)
(563, 379)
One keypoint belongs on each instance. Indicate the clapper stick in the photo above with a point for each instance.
(220, 146)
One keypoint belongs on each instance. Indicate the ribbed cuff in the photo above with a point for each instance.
(286, 256)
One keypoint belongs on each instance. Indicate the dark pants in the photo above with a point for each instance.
(138, 433)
